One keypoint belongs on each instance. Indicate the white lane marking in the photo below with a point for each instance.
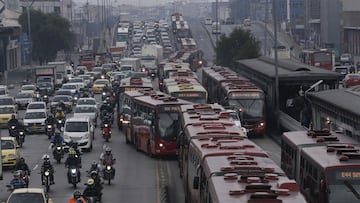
(35, 167)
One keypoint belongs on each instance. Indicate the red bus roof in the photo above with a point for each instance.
(199, 108)
(222, 74)
(137, 93)
(301, 139)
(333, 155)
(159, 99)
(133, 83)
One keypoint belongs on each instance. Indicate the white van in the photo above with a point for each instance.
(80, 130)
(3, 90)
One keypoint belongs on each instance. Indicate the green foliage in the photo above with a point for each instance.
(50, 33)
(240, 44)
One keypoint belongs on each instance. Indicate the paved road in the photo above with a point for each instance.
(137, 178)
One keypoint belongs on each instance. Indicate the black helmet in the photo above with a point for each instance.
(57, 133)
(94, 164)
(77, 194)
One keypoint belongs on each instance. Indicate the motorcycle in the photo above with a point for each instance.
(92, 199)
(58, 152)
(21, 137)
(104, 95)
(46, 180)
(49, 130)
(152, 75)
(108, 173)
(60, 123)
(13, 130)
(45, 98)
(106, 132)
(73, 176)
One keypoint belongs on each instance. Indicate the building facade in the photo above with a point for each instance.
(10, 31)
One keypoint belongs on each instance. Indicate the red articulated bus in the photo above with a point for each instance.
(220, 166)
(155, 123)
(129, 84)
(228, 88)
(321, 58)
(326, 165)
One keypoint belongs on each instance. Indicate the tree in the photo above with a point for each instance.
(240, 44)
(50, 33)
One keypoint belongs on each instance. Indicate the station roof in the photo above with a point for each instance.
(288, 69)
(346, 99)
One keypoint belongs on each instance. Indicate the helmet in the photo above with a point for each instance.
(90, 181)
(22, 160)
(17, 174)
(94, 163)
(93, 174)
(72, 152)
(13, 116)
(105, 101)
(57, 133)
(108, 150)
(46, 157)
(77, 194)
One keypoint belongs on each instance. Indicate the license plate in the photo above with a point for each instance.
(34, 126)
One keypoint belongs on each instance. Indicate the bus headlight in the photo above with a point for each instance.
(161, 145)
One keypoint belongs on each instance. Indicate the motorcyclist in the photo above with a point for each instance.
(57, 139)
(17, 181)
(74, 146)
(106, 88)
(50, 120)
(13, 122)
(62, 105)
(77, 198)
(107, 157)
(21, 165)
(91, 190)
(47, 166)
(97, 180)
(72, 161)
(94, 167)
(59, 113)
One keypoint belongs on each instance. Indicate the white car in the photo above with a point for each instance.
(78, 81)
(34, 120)
(79, 130)
(87, 80)
(36, 106)
(23, 99)
(87, 101)
(71, 86)
(90, 111)
(235, 117)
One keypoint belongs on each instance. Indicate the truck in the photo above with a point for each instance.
(151, 56)
(118, 51)
(133, 64)
(60, 72)
(46, 75)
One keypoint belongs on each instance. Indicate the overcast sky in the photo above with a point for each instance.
(142, 2)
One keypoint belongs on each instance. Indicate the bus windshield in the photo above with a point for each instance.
(322, 57)
(344, 185)
(250, 108)
(168, 125)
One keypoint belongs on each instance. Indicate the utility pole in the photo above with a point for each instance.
(276, 64)
(217, 21)
(29, 30)
(266, 22)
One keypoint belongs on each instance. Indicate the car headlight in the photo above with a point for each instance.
(11, 156)
(108, 167)
(86, 136)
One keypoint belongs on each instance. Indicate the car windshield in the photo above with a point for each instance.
(77, 126)
(35, 115)
(168, 125)
(27, 88)
(85, 77)
(7, 110)
(76, 80)
(85, 109)
(7, 144)
(6, 101)
(98, 82)
(58, 99)
(86, 101)
(97, 69)
(63, 92)
(23, 95)
(26, 198)
(36, 106)
(69, 87)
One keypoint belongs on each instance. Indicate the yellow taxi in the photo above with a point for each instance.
(10, 153)
(99, 84)
(28, 89)
(5, 114)
(25, 195)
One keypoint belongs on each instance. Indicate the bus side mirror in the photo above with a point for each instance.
(196, 182)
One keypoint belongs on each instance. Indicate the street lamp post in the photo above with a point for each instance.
(276, 64)
(29, 30)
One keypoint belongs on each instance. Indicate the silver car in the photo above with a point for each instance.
(87, 111)
(22, 99)
(68, 101)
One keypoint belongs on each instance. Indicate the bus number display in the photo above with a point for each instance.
(186, 95)
(170, 108)
(245, 95)
(348, 175)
